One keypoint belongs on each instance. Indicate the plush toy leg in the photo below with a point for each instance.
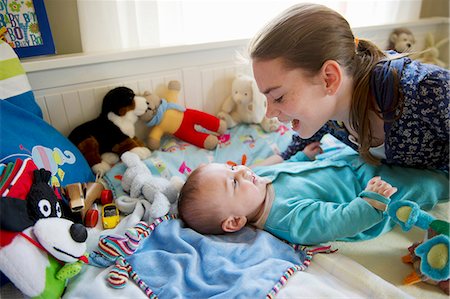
(210, 142)
(110, 158)
(227, 118)
(412, 278)
(407, 259)
(154, 138)
(207, 121)
(90, 150)
(118, 276)
(133, 145)
(270, 124)
(188, 133)
(160, 205)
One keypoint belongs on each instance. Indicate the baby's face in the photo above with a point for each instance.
(236, 190)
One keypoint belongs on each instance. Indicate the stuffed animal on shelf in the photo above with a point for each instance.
(246, 105)
(141, 184)
(165, 116)
(103, 139)
(401, 40)
(431, 52)
(429, 258)
(39, 250)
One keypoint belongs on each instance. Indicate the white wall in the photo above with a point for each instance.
(70, 88)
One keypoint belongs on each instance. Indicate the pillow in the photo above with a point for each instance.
(24, 133)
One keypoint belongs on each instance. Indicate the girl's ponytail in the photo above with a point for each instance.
(366, 58)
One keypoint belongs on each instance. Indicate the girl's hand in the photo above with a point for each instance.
(312, 150)
(376, 184)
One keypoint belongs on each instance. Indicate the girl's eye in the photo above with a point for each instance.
(278, 100)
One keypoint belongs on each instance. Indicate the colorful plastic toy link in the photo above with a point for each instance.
(429, 257)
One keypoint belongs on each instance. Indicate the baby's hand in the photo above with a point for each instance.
(312, 150)
(377, 185)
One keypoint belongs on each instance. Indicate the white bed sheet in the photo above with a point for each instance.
(369, 269)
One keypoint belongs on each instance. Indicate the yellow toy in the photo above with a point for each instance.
(110, 216)
(165, 116)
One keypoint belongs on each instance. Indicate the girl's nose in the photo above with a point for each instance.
(270, 112)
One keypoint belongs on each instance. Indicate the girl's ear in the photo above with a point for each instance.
(233, 223)
(332, 76)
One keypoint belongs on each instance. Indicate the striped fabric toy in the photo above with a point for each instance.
(114, 249)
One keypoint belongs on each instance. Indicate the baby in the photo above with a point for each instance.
(304, 202)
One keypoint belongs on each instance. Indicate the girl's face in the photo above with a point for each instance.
(235, 190)
(293, 96)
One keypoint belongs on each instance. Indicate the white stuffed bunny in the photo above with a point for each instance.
(246, 105)
(141, 184)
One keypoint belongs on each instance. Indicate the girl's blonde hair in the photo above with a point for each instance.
(307, 35)
(194, 208)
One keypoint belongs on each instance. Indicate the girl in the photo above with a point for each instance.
(322, 79)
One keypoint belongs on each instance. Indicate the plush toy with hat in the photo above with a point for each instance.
(138, 181)
(246, 105)
(165, 116)
(429, 258)
(103, 139)
(39, 250)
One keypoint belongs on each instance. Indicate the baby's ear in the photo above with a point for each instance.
(233, 223)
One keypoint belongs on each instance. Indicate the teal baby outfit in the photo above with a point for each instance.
(321, 201)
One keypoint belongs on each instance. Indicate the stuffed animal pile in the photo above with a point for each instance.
(246, 105)
(165, 116)
(103, 139)
(138, 181)
(429, 258)
(39, 250)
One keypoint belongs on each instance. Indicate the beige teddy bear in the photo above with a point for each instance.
(401, 40)
(246, 105)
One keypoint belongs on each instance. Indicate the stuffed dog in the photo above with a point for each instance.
(113, 131)
(35, 241)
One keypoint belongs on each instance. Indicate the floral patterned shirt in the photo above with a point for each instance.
(420, 136)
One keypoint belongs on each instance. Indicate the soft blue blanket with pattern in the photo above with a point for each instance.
(172, 261)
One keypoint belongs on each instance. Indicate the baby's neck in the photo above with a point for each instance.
(260, 216)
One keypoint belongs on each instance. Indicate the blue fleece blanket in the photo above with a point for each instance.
(176, 262)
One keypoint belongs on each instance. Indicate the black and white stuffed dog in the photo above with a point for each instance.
(36, 241)
(103, 139)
